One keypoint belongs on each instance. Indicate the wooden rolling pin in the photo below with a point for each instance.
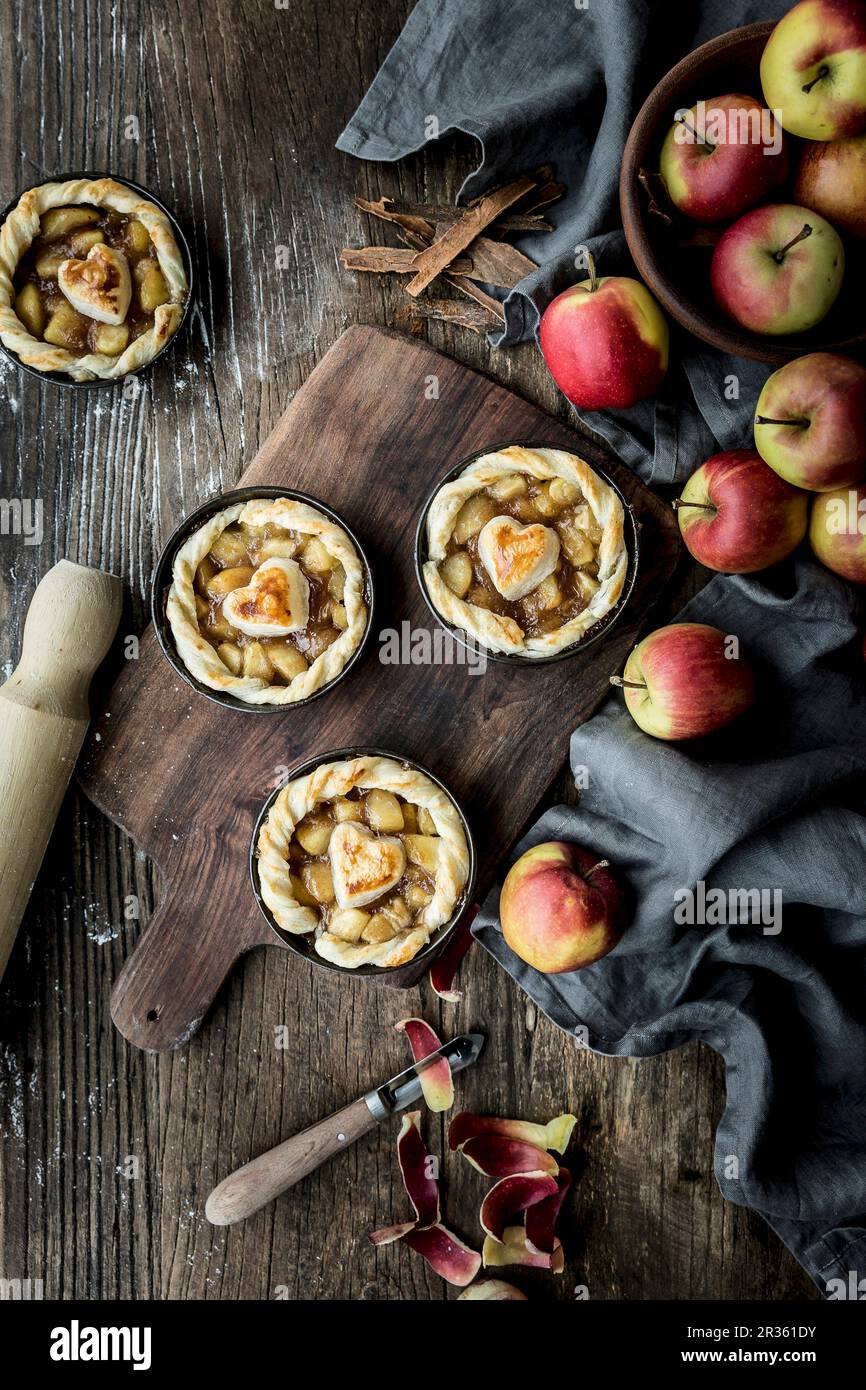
(44, 714)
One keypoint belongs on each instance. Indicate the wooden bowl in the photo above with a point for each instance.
(679, 277)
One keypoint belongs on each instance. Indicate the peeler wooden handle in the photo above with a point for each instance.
(72, 619)
(260, 1181)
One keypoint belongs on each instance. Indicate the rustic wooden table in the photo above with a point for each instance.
(231, 113)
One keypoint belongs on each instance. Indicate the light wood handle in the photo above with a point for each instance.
(260, 1181)
(72, 619)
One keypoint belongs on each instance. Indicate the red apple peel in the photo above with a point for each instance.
(437, 1080)
(512, 1195)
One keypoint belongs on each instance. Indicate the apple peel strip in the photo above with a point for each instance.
(437, 1080)
(421, 1186)
(514, 1194)
(445, 966)
(513, 1250)
(541, 1218)
(554, 1135)
(444, 1252)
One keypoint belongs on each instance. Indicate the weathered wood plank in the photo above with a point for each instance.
(238, 106)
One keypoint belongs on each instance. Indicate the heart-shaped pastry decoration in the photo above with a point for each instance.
(99, 286)
(517, 557)
(274, 603)
(363, 865)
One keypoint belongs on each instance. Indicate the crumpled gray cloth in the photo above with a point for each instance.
(774, 802)
(539, 83)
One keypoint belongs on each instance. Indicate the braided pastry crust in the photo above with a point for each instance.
(16, 236)
(494, 630)
(197, 654)
(298, 798)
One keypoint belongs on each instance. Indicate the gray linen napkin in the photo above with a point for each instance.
(557, 82)
(775, 802)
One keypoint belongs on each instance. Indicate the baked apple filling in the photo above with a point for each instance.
(267, 601)
(526, 550)
(369, 855)
(92, 281)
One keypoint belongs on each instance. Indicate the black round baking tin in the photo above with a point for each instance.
(600, 629)
(162, 580)
(302, 943)
(61, 378)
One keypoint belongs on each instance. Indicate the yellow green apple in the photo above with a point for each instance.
(813, 69)
(837, 532)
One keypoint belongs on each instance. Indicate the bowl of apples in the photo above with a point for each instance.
(743, 186)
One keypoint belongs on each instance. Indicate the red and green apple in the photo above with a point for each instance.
(736, 515)
(778, 269)
(831, 179)
(605, 342)
(721, 157)
(561, 907)
(686, 680)
(810, 421)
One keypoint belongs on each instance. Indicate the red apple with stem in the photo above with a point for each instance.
(810, 421)
(736, 515)
(721, 157)
(831, 180)
(685, 681)
(561, 907)
(605, 342)
(778, 269)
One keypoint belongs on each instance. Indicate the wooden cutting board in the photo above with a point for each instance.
(377, 423)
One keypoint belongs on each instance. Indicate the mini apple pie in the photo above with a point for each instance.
(268, 601)
(526, 550)
(92, 281)
(369, 855)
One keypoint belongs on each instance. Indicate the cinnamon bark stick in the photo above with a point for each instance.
(438, 256)
(494, 263)
(397, 210)
(396, 260)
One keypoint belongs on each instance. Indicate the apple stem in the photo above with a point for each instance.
(701, 139)
(593, 274)
(801, 236)
(704, 506)
(822, 72)
(627, 685)
(765, 420)
(602, 864)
